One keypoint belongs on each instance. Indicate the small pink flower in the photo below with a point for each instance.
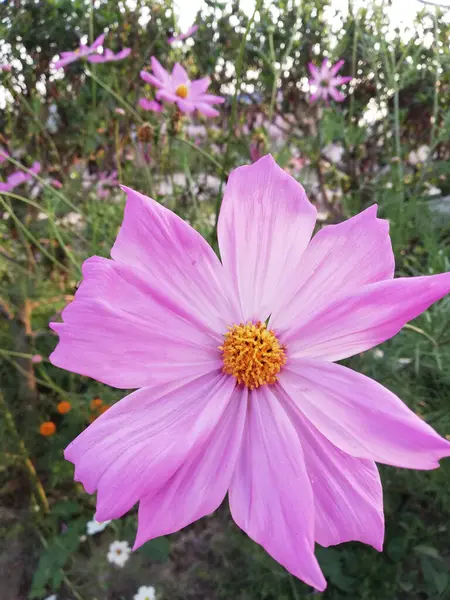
(81, 52)
(104, 182)
(119, 111)
(177, 88)
(56, 184)
(109, 56)
(325, 81)
(228, 405)
(19, 177)
(36, 359)
(183, 36)
(6, 67)
(150, 105)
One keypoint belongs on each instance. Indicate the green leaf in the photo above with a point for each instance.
(157, 549)
(54, 557)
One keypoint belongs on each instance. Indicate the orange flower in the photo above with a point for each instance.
(63, 407)
(92, 418)
(96, 403)
(48, 428)
(104, 408)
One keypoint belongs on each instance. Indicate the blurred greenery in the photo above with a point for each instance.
(347, 156)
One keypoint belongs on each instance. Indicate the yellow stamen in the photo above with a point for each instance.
(252, 354)
(182, 91)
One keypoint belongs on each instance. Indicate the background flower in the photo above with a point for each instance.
(326, 81)
(145, 592)
(177, 88)
(118, 553)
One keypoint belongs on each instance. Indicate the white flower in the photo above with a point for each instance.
(432, 190)
(72, 219)
(93, 527)
(377, 353)
(334, 152)
(389, 185)
(145, 592)
(419, 156)
(119, 553)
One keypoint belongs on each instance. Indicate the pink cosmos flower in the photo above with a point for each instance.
(6, 67)
(109, 56)
(81, 52)
(325, 81)
(177, 88)
(183, 36)
(227, 404)
(19, 177)
(150, 105)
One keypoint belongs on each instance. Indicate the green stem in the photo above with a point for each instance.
(30, 236)
(55, 229)
(354, 48)
(29, 467)
(115, 95)
(38, 122)
(47, 185)
(436, 82)
(66, 580)
(94, 68)
(48, 383)
(276, 72)
(205, 154)
(422, 332)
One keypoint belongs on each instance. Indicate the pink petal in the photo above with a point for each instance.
(151, 79)
(65, 61)
(206, 109)
(336, 94)
(265, 224)
(127, 329)
(337, 67)
(314, 71)
(152, 237)
(360, 416)
(270, 494)
(159, 71)
(166, 95)
(199, 86)
(200, 485)
(365, 318)
(150, 105)
(98, 42)
(315, 96)
(186, 106)
(338, 260)
(340, 80)
(210, 99)
(124, 53)
(348, 497)
(179, 75)
(140, 442)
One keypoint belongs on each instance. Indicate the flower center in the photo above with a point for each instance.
(182, 91)
(252, 354)
(325, 83)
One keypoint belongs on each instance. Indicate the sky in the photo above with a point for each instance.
(187, 9)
